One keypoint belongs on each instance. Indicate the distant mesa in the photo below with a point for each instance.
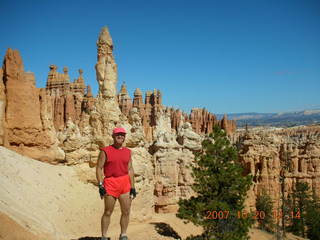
(283, 119)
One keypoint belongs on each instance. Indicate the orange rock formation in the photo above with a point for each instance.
(69, 99)
(26, 130)
(201, 120)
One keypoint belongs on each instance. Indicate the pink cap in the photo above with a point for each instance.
(118, 130)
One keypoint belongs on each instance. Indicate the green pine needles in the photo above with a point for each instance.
(220, 188)
(264, 204)
(307, 222)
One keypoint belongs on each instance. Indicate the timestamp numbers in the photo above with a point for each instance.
(217, 214)
(256, 215)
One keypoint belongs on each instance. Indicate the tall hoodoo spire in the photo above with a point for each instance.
(106, 68)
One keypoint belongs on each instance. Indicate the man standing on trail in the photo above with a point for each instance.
(114, 162)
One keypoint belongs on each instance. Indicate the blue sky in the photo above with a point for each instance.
(225, 56)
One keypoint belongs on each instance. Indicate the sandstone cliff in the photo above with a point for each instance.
(26, 129)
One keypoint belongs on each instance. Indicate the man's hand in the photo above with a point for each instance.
(133, 193)
(102, 190)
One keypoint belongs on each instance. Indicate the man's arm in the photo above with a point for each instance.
(99, 167)
(131, 173)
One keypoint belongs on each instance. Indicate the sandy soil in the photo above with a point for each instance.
(39, 201)
(47, 199)
(10, 230)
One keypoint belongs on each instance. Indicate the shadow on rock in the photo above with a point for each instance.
(88, 238)
(165, 229)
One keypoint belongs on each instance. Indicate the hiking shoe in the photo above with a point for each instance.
(123, 238)
(105, 238)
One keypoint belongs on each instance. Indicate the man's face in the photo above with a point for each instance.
(119, 138)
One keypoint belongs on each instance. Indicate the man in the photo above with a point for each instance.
(115, 163)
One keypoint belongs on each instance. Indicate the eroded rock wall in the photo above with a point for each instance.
(172, 177)
(24, 131)
(201, 120)
(70, 100)
(293, 153)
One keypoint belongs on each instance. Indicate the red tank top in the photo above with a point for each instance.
(117, 160)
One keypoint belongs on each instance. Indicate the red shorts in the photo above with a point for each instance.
(115, 186)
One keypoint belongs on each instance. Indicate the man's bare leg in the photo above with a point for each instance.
(125, 204)
(109, 203)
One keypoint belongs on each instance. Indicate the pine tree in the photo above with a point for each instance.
(313, 218)
(220, 189)
(300, 200)
(305, 212)
(264, 204)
